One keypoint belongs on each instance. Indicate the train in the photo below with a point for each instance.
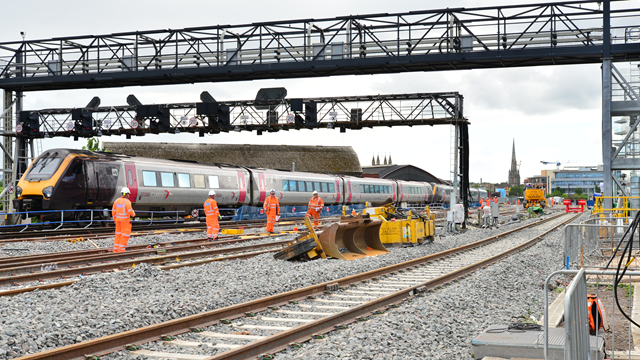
(67, 179)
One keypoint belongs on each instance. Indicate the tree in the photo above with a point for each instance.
(93, 144)
(516, 191)
(579, 191)
(597, 189)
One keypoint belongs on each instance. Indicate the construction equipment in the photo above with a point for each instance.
(361, 235)
(353, 237)
(403, 227)
(534, 197)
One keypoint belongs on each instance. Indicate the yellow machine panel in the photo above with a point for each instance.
(534, 197)
(400, 228)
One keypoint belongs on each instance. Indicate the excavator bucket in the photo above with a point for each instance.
(352, 238)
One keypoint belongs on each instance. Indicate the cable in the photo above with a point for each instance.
(627, 251)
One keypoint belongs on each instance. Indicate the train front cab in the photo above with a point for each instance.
(35, 189)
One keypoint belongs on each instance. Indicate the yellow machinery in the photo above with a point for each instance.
(361, 235)
(403, 228)
(534, 197)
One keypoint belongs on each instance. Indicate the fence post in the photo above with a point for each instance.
(25, 228)
(61, 220)
(91, 220)
(151, 218)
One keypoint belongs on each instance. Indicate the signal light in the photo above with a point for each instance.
(310, 114)
(29, 123)
(84, 121)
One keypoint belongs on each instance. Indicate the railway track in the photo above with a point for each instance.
(306, 313)
(174, 257)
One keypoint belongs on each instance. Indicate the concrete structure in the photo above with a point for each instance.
(585, 178)
(514, 173)
(319, 159)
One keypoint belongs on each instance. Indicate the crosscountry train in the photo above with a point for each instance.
(65, 179)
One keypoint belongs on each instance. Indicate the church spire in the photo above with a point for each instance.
(378, 160)
(373, 160)
(385, 158)
(390, 163)
(514, 174)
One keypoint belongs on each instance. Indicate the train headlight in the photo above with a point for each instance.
(18, 191)
(47, 192)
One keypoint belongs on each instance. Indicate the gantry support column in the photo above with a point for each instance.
(7, 142)
(606, 104)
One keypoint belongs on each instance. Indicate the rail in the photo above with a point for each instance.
(153, 332)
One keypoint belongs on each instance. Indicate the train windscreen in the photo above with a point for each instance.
(44, 167)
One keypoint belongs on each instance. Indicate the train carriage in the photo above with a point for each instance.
(362, 190)
(295, 188)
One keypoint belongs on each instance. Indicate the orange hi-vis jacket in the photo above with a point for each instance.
(122, 210)
(211, 208)
(316, 204)
(272, 205)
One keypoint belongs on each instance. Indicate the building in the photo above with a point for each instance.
(399, 172)
(538, 182)
(584, 178)
(514, 172)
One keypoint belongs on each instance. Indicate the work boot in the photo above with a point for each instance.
(209, 239)
(215, 238)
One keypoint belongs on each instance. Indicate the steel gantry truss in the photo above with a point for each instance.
(460, 38)
(210, 116)
(349, 112)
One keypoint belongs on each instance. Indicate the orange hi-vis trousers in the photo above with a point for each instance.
(213, 227)
(123, 233)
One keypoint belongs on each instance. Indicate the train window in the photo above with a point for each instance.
(184, 180)
(325, 187)
(213, 182)
(292, 185)
(129, 177)
(167, 179)
(198, 181)
(149, 178)
(285, 185)
(301, 186)
(361, 189)
(44, 167)
(309, 185)
(332, 187)
(377, 189)
(316, 186)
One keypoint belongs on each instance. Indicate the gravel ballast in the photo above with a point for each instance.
(105, 304)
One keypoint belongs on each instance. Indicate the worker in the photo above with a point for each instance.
(121, 212)
(315, 207)
(272, 209)
(212, 213)
(495, 199)
(481, 203)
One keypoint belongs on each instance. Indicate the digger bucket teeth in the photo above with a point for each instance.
(358, 237)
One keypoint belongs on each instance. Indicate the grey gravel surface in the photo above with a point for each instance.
(104, 304)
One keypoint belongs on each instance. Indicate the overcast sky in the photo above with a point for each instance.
(552, 113)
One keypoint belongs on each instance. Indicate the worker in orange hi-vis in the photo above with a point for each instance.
(121, 212)
(481, 203)
(315, 207)
(495, 199)
(272, 209)
(212, 213)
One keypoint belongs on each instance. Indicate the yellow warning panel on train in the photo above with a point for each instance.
(232, 231)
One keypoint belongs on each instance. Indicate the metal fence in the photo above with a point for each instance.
(84, 218)
(592, 241)
(576, 323)
(578, 343)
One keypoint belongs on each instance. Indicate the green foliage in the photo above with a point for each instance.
(597, 189)
(557, 192)
(93, 144)
(579, 191)
(517, 191)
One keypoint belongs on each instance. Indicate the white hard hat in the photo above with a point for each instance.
(273, 190)
(211, 192)
(314, 192)
(125, 190)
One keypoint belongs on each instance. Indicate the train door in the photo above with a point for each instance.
(262, 185)
(349, 187)
(242, 186)
(338, 191)
(132, 181)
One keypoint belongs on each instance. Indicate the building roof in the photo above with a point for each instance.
(401, 172)
(319, 159)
